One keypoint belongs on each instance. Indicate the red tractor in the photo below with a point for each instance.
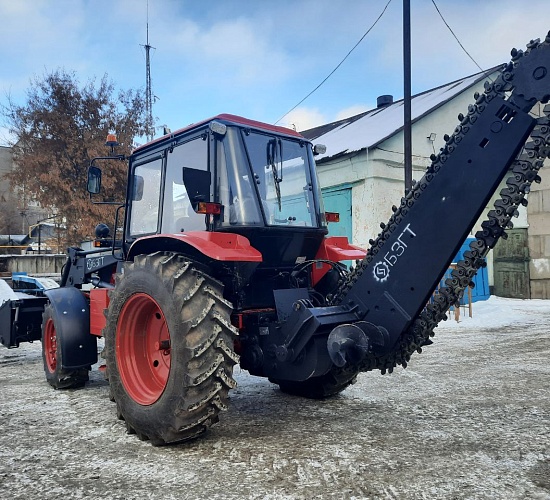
(224, 258)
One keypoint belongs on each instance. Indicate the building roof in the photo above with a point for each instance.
(370, 128)
(45, 232)
(14, 239)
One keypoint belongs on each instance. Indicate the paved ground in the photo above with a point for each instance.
(469, 419)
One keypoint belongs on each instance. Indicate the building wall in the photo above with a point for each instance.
(17, 212)
(31, 264)
(5, 168)
(539, 236)
(10, 219)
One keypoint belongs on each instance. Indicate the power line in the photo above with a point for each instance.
(456, 38)
(339, 64)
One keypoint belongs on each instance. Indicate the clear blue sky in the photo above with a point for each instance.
(258, 58)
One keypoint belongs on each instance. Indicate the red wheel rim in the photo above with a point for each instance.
(50, 346)
(143, 349)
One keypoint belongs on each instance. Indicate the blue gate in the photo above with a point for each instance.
(481, 280)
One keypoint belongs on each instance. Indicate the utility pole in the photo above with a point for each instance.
(407, 135)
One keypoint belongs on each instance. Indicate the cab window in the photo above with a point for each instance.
(146, 198)
(178, 214)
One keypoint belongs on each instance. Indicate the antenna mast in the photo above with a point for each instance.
(149, 125)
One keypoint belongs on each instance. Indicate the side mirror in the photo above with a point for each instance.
(197, 183)
(94, 180)
(137, 189)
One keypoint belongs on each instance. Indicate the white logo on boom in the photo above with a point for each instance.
(381, 271)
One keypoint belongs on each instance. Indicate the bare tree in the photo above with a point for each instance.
(59, 129)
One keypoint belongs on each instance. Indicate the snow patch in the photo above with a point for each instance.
(496, 312)
(6, 292)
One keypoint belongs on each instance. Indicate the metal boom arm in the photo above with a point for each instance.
(427, 234)
(404, 265)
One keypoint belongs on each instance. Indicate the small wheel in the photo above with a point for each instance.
(52, 356)
(325, 386)
(168, 348)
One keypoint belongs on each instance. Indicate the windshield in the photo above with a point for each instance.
(281, 171)
(236, 190)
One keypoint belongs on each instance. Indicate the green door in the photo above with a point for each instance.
(511, 265)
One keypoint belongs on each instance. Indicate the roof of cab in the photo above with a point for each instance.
(227, 119)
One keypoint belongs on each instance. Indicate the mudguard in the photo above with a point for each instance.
(336, 249)
(228, 247)
(72, 325)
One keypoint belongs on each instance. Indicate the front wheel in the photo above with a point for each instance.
(56, 376)
(169, 348)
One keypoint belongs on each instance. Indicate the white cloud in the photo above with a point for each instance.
(304, 119)
(234, 52)
(488, 31)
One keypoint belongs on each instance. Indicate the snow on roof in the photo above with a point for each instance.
(372, 127)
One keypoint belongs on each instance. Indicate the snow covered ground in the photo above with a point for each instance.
(468, 419)
(497, 312)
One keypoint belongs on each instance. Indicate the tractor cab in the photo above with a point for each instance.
(228, 174)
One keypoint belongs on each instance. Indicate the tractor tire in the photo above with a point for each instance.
(168, 348)
(325, 386)
(51, 356)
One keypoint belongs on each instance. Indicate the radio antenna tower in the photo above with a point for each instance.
(149, 125)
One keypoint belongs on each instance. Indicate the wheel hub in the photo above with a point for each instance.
(50, 346)
(143, 350)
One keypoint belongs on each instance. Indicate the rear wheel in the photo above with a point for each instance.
(325, 386)
(52, 355)
(168, 348)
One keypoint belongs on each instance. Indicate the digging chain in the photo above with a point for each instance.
(524, 171)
